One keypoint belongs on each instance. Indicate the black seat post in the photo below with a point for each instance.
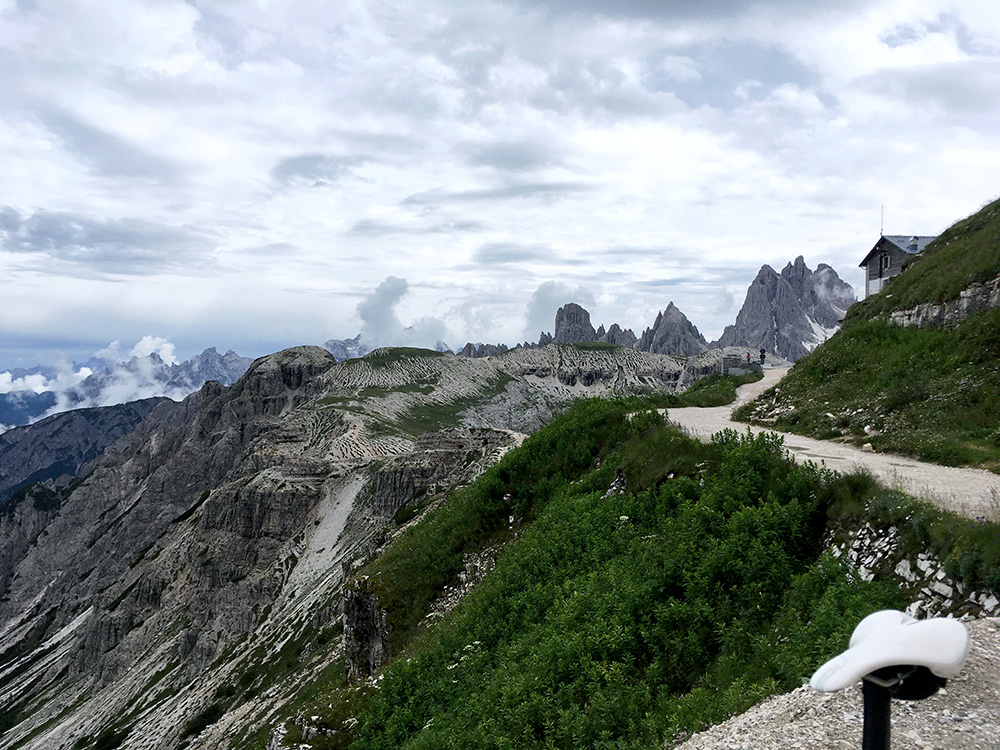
(878, 705)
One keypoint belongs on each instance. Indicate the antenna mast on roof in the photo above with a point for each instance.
(881, 223)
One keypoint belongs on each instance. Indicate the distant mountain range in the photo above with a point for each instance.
(115, 383)
(787, 314)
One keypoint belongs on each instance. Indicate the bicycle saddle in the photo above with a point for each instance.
(890, 638)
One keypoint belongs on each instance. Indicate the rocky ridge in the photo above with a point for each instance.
(672, 333)
(195, 571)
(791, 313)
(786, 314)
(60, 445)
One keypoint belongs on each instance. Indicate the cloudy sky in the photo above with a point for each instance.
(260, 175)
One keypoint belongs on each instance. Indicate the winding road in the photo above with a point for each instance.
(969, 492)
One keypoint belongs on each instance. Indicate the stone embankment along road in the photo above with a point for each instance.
(969, 492)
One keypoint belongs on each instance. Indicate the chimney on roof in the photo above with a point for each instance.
(913, 244)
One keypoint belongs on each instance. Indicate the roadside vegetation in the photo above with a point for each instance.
(933, 394)
(627, 618)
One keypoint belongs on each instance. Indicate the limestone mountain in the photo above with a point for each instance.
(573, 325)
(791, 313)
(58, 446)
(120, 382)
(187, 585)
(617, 337)
(913, 369)
(342, 349)
(672, 332)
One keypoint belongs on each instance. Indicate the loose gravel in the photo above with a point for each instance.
(963, 716)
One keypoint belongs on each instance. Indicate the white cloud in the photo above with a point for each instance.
(254, 171)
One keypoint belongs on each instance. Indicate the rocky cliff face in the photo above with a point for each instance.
(971, 300)
(573, 325)
(195, 570)
(59, 445)
(672, 333)
(790, 313)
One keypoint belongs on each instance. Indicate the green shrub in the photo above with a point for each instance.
(620, 620)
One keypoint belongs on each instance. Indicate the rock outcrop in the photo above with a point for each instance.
(366, 635)
(573, 325)
(791, 313)
(672, 333)
(973, 299)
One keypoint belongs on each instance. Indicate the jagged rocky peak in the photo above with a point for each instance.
(573, 325)
(791, 313)
(290, 368)
(342, 349)
(615, 335)
(672, 333)
(475, 351)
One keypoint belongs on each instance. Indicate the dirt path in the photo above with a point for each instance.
(970, 492)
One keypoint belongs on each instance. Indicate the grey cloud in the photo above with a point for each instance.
(375, 228)
(546, 191)
(945, 23)
(546, 300)
(598, 87)
(106, 153)
(722, 68)
(683, 10)
(514, 156)
(498, 253)
(316, 170)
(381, 327)
(122, 246)
(970, 87)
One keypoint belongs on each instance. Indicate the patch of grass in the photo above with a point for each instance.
(930, 394)
(391, 355)
(429, 416)
(966, 253)
(716, 390)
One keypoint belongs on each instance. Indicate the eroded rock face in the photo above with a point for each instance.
(948, 314)
(672, 333)
(790, 313)
(573, 325)
(366, 635)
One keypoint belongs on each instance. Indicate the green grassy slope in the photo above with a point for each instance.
(626, 619)
(930, 394)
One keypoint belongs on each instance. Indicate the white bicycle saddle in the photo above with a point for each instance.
(890, 638)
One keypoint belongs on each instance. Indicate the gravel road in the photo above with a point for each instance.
(970, 492)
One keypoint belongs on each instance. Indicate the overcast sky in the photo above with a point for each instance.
(261, 175)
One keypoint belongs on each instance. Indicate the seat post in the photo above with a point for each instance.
(878, 705)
